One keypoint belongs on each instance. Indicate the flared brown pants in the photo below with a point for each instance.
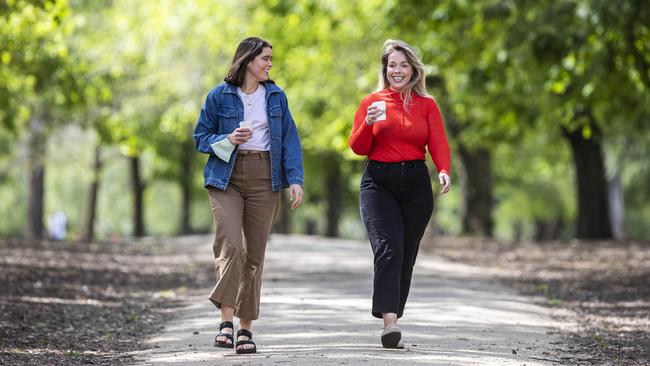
(243, 216)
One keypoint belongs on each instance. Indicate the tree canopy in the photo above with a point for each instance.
(541, 100)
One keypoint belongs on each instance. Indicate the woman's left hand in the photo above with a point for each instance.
(295, 195)
(445, 180)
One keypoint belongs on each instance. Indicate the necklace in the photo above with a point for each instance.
(248, 98)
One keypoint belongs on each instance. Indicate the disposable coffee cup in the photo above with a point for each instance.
(246, 124)
(382, 107)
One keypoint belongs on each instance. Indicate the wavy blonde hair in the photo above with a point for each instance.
(417, 82)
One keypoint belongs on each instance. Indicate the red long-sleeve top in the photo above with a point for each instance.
(403, 135)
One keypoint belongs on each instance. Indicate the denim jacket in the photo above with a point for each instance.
(221, 114)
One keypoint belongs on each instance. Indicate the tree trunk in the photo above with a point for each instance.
(283, 222)
(476, 182)
(617, 207)
(433, 229)
(91, 208)
(430, 232)
(334, 194)
(138, 193)
(593, 206)
(548, 229)
(311, 227)
(37, 147)
(475, 175)
(186, 186)
(517, 231)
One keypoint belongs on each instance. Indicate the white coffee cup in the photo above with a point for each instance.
(381, 104)
(246, 124)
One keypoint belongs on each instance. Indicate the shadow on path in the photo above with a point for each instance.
(315, 310)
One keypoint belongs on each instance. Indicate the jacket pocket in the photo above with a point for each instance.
(228, 112)
(275, 125)
(276, 111)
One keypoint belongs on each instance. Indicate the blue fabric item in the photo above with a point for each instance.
(221, 114)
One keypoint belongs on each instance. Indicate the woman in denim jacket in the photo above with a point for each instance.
(254, 150)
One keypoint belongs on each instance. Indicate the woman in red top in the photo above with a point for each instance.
(396, 199)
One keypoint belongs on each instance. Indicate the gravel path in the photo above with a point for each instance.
(316, 311)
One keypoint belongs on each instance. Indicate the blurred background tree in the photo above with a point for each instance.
(546, 105)
(41, 86)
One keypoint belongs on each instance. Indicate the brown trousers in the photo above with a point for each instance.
(243, 216)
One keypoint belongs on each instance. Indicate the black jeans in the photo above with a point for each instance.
(396, 203)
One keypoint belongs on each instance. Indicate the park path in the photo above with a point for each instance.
(316, 311)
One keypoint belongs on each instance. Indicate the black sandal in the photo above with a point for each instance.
(245, 350)
(224, 343)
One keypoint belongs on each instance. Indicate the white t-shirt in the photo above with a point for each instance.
(255, 111)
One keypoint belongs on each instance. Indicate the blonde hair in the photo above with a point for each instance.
(417, 82)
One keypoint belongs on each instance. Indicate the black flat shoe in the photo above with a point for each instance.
(224, 343)
(391, 336)
(245, 350)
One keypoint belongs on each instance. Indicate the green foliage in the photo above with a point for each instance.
(583, 61)
(535, 184)
(328, 57)
(38, 75)
(512, 73)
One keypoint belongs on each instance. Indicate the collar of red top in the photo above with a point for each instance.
(390, 93)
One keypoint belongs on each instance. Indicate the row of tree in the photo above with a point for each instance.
(576, 71)
(522, 85)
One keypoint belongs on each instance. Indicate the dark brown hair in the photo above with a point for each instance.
(247, 50)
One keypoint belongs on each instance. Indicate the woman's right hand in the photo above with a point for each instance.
(373, 113)
(240, 135)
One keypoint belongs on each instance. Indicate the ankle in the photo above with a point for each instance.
(226, 326)
(246, 325)
(389, 319)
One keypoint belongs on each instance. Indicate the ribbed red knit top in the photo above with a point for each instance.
(403, 135)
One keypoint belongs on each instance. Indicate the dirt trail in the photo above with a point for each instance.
(316, 311)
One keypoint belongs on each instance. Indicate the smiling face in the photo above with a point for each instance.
(258, 69)
(398, 70)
